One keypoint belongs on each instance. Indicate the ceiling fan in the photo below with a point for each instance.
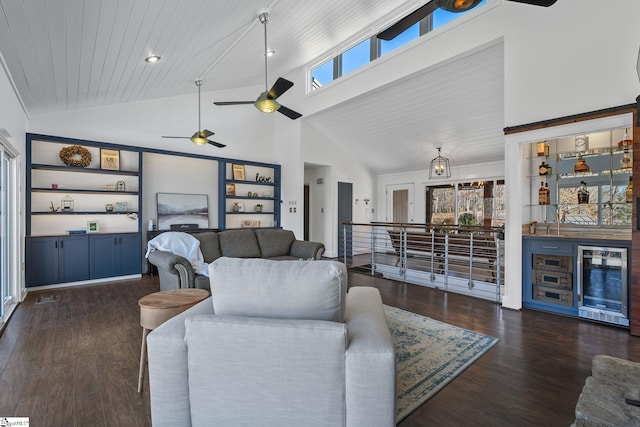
(201, 136)
(266, 102)
(448, 5)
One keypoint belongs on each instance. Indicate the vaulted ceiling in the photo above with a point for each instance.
(75, 54)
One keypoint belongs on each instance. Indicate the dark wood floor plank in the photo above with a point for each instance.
(74, 362)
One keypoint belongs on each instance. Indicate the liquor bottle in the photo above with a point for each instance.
(583, 194)
(581, 165)
(628, 195)
(541, 194)
(542, 149)
(547, 194)
(625, 161)
(544, 169)
(544, 195)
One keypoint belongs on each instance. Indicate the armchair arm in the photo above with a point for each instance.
(306, 250)
(168, 373)
(175, 271)
(370, 361)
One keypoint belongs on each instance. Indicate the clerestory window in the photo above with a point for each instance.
(372, 48)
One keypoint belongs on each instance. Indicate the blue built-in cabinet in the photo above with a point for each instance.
(550, 266)
(114, 255)
(549, 275)
(56, 259)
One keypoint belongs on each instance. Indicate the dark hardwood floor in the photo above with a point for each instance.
(74, 362)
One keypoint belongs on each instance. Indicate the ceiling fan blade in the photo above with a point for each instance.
(179, 137)
(206, 133)
(279, 87)
(217, 144)
(233, 102)
(544, 3)
(406, 22)
(289, 113)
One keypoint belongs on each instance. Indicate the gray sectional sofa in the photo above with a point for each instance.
(177, 272)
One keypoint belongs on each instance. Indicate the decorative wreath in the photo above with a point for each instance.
(75, 155)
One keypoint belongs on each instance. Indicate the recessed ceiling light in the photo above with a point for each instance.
(152, 58)
(271, 52)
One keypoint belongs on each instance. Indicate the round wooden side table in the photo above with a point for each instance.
(159, 307)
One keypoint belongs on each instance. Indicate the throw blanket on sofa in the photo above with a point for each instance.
(182, 244)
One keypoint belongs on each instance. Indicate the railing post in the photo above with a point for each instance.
(471, 284)
(403, 253)
(344, 243)
(433, 255)
(498, 264)
(446, 260)
(372, 238)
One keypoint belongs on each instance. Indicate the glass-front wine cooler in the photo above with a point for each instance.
(602, 284)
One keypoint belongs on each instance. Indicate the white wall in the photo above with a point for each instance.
(420, 180)
(248, 134)
(188, 175)
(318, 149)
(575, 56)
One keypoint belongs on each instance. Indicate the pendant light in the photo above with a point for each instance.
(440, 167)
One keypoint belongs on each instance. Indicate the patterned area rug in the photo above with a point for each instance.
(429, 355)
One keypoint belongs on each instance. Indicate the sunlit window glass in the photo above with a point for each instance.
(322, 75)
(356, 57)
(409, 34)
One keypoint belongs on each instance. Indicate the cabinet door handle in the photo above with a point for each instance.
(549, 247)
(55, 245)
(61, 244)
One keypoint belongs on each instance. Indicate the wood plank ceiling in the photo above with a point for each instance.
(76, 54)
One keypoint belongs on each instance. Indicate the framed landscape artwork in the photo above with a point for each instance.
(177, 208)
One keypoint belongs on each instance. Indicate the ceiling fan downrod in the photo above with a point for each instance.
(264, 19)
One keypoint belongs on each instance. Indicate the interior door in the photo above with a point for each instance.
(400, 203)
(345, 214)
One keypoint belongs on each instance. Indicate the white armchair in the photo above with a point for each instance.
(280, 343)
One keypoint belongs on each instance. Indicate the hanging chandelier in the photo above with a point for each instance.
(440, 167)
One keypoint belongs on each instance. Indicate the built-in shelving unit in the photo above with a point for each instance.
(606, 180)
(251, 195)
(82, 223)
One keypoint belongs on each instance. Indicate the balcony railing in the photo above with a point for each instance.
(462, 259)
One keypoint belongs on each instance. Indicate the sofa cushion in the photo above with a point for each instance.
(209, 245)
(279, 289)
(239, 244)
(274, 243)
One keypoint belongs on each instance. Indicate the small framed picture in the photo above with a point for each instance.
(109, 159)
(121, 206)
(231, 190)
(255, 224)
(238, 172)
(93, 227)
(246, 223)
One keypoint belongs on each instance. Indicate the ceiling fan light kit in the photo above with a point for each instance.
(266, 102)
(457, 6)
(201, 137)
(266, 105)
